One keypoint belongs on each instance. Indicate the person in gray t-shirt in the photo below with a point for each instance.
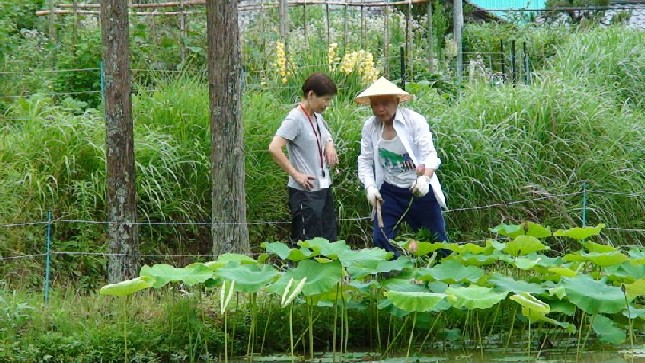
(311, 153)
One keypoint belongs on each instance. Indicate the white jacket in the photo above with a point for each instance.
(414, 132)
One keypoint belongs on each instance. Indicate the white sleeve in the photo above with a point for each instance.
(423, 140)
(366, 157)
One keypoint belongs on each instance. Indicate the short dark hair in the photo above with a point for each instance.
(321, 84)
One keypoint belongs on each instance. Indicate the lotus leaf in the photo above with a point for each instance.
(607, 330)
(605, 259)
(579, 233)
(161, 274)
(287, 253)
(125, 288)
(415, 301)
(597, 247)
(321, 277)
(563, 271)
(508, 284)
(451, 272)
(593, 296)
(321, 246)
(523, 245)
(248, 278)
(473, 297)
(637, 288)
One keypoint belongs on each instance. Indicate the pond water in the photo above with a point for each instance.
(547, 356)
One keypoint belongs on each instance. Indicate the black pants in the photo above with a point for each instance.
(312, 215)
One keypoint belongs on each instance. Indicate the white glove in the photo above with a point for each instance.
(373, 196)
(421, 186)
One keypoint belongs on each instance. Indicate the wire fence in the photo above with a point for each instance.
(551, 197)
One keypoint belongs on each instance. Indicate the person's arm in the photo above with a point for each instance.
(366, 158)
(331, 155)
(428, 158)
(276, 150)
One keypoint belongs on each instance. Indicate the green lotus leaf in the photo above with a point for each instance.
(415, 301)
(593, 296)
(634, 313)
(437, 286)
(546, 261)
(229, 258)
(469, 259)
(558, 291)
(473, 297)
(525, 263)
(495, 245)
(321, 277)
(637, 288)
(423, 248)
(531, 303)
(607, 330)
(450, 272)
(637, 256)
(563, 271)
(125, 288)
(523, 245)
(279, 249)
(399, 264)
(321, 246)
(605, 259)
(627, 271)
(469, 248)
(363, 287)
(509, 230)
(161, 274)
(574, 257)
(562, 306)
(369, 261)
(507, 284)
(287, 253)
(597, 247)
(248, 278)
(537, 230)
(262, 258)
(579, 233)
(524, 229)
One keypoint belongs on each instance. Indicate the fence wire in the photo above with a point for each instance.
(355, 219)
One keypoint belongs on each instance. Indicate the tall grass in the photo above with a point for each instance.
(581, 121)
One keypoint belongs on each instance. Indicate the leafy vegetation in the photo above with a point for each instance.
(514, 287)
(510, 153)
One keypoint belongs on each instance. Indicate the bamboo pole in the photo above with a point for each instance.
(430, 38)
(408, 39)
(304, 14)
(386, 41)
(328, 26)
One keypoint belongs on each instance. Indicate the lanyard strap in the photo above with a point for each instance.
(318, 136)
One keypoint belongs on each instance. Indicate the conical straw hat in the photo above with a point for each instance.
(382, 87)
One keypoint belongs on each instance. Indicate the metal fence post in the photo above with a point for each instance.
(403, 75)
(584, 203)
(48, 241)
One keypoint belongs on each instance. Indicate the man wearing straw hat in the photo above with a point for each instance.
(397, 166)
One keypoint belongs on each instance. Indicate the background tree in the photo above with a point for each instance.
(230, 232)
(124, 260)
(575, 15)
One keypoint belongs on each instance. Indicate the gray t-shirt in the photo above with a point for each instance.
(305, 154)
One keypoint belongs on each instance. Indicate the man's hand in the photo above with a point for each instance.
(373, 196)
(304, 180)
(331, 155)
(421, 186)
